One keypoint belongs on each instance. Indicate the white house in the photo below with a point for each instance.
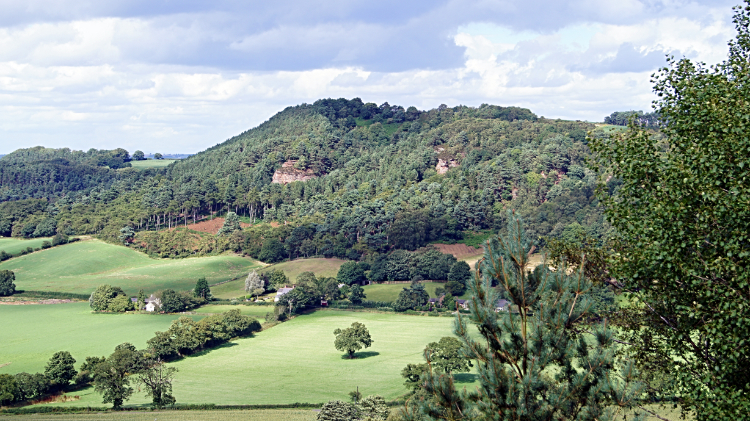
(152, 303)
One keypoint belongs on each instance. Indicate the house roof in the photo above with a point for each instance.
(502, 303)
(282, 291)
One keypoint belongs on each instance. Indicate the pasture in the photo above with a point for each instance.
(296, 362)
(259, 312)
(81, 267)
(319, 266)
(32, 333)
(389, 292)
(152, 163)
(219, 415)
(15, 245)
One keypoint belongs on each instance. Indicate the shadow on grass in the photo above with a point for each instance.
(464, 377)
(208, 350)
(360, 355)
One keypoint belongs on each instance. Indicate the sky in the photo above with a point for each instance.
(175, 76)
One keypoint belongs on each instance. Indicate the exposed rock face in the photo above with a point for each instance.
(287, 174)
(442, 167)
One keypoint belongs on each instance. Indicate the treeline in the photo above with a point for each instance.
(621, 118)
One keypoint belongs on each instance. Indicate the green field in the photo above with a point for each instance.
(152, 163)
(319, 266)
(14, 245)
(249, 415)
(81, 267)
(258, 312)
(32, 333)
(389, 292)
(296, 362)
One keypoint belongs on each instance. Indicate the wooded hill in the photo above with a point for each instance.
(377, 178)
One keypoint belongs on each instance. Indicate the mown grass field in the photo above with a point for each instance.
(219, 415)
(81, 267)
(389, 292)
(258, 312)
(152, 163)
(15, 245)
(319, 266)
(297, 362)
(30, 334)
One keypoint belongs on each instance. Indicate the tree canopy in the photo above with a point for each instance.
(352, 339)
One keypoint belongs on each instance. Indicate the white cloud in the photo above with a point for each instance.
(183, 82)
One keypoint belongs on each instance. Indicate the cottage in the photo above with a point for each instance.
(152, 303)
(463, 303)
(282, 291)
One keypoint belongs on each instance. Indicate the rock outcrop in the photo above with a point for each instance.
(287, 174)
(442, 166)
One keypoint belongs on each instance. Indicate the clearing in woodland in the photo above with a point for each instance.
(82, 266)
(151, 163)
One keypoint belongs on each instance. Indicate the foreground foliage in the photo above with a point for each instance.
(536, 364)
(682, 212)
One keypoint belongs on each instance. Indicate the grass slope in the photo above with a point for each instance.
(319, 266)
(259, 312)
(297, 362)
(152, 163)
(81, 267)
(219, 415)
(14, 245)
(389, 292)
(32, 333)
(292, 269)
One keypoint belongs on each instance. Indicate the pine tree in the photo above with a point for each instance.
(519, 351)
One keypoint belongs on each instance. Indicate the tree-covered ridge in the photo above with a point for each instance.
(40, 172)
(377, 185)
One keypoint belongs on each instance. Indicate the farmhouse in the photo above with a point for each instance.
(152, 303)
(502, 305)
(281, 292)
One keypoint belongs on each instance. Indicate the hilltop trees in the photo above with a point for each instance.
(681, 210)
(352, 339)
(7, 286)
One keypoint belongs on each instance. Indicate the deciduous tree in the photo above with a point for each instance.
(7, 286)
(352, 339)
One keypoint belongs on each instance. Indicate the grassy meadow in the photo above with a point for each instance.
(82, 266)
(15, 245)
(319, 266)
(292, 269)
(152, 163)
(389, 292)
(259, 312)
(32, 333)
(296, 362)
(219, 415)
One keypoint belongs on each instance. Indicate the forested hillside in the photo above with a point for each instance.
(376, 178)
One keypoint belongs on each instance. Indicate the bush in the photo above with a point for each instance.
(46, 245)
(337, 411)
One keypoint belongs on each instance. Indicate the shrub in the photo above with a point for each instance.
(46, 245)
(337, 411)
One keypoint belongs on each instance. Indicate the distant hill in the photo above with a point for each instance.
(343, 178)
